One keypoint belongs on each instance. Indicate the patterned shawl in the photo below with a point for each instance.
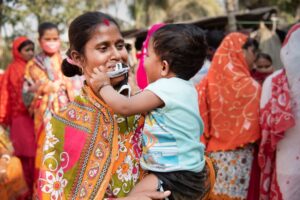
(229, 98)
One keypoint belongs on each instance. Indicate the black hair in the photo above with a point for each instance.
(250, 42)
(43, 27)
(183, 46)
(214, 38)
(25, 43)
(265, 56)
(80, 31)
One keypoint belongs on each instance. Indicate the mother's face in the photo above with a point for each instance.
(104, 49)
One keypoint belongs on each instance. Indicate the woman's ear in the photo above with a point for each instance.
(165, 68)
(77, 58)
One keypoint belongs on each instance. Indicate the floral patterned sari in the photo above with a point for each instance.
(89, 152)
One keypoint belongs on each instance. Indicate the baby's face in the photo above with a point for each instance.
(264, 66)
(152, 64)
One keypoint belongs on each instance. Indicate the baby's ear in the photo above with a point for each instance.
(165, 68)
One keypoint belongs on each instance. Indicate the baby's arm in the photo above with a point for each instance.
(142, 102)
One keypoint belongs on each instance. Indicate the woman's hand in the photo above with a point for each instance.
(97, 80)
(34, 87)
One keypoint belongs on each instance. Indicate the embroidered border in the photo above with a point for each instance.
(72, 124)
(77, 104)
(83, 168)
(107, 163)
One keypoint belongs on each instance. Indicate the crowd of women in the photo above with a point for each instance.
(65, 138)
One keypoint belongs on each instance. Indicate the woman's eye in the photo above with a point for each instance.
(102, 49)
(120, 46)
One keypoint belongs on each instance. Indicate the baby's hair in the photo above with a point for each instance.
(25, 43)
(80, 32)
(265, 56)
(183, 46)
(43, 27)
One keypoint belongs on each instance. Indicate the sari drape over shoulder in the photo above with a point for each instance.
(89, 152)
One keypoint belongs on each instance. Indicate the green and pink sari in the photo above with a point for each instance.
(89, 152)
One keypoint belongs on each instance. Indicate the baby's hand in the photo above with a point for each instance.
(98, 79)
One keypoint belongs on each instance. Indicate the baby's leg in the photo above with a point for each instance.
(147, 184)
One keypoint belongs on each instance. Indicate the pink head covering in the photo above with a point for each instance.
(141, 73)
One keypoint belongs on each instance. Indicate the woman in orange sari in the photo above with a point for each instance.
(13, 113)
(229, 105)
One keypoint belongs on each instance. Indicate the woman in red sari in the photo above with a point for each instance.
(13, 113)
(279, 152)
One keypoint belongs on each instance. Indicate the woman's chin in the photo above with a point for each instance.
(117, 80)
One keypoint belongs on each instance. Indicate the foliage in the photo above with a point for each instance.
(147, 12)
(60, 12)
(287, 6)
(27, 14)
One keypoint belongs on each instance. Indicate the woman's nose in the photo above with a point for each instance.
(116, 55)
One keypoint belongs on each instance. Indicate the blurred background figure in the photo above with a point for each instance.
(13, 113)
(214, 39)
(229, 106)
(269, 43)
(280, 122)
(263, 67)
(12, 182)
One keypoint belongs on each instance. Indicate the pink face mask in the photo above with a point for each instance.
(50, 47)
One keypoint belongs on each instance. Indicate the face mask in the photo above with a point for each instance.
(50, 47)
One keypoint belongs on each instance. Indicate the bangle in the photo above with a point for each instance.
(102, 86)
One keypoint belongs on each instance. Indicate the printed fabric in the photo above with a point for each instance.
(89, 152)
(280, 113)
